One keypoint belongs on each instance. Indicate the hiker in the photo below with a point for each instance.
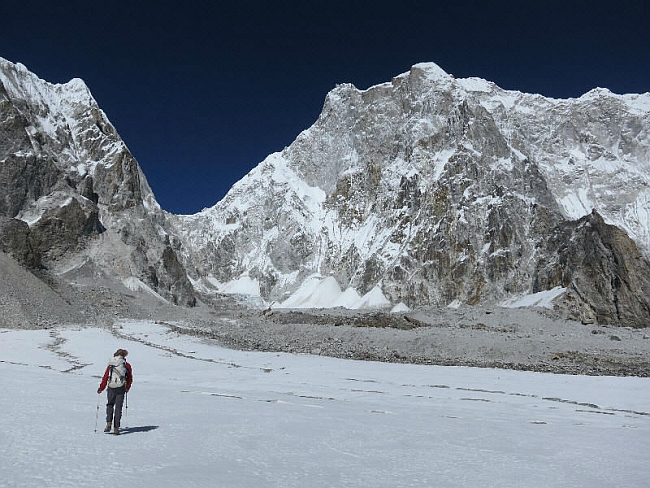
(118, 377)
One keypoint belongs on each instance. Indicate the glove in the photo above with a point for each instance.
(99, 390)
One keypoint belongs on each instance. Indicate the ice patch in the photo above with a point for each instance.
(319, 292)
(347, 299)
(399, 308)
(475, 85)
(244, 285)
(539, 299)
(375, 298)
(203, 285)
(576, 204)
(315, 292)
(134, 284)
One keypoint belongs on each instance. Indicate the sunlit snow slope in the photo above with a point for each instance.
(203, 416)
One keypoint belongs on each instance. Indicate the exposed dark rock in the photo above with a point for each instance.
(15, 239)
(24, 178)
(60, 230)
(173, 278)
(118, 185)
(85, 189)
(604, 269)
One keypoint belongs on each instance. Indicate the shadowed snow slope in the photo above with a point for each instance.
(203, 416)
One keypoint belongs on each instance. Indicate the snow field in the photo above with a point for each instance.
(201, 415)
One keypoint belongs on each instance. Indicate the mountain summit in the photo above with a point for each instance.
(427, 190)
(73, 199)
(432, 190)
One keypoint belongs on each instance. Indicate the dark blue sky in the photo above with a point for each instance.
(201, 92)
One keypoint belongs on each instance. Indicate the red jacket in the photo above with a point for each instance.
(129, 377)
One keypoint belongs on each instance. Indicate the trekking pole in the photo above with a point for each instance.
(99, 396)
(126, 412)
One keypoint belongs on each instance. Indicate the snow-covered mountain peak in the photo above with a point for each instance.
(431, 71)
(69, 177)
(597, 92)
(429, 189)
(22, 83)
(636, 103)
(61, 117)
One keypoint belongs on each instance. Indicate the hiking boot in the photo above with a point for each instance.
(108, 427)
(116, 430)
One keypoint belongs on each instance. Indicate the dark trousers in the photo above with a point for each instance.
(114, 405)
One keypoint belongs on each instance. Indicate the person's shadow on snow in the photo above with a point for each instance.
(133, 430)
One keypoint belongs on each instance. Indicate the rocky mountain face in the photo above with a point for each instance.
(427, 190)
(443, 191)
(72, 197)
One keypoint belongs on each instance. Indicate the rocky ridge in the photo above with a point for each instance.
(72, 196)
